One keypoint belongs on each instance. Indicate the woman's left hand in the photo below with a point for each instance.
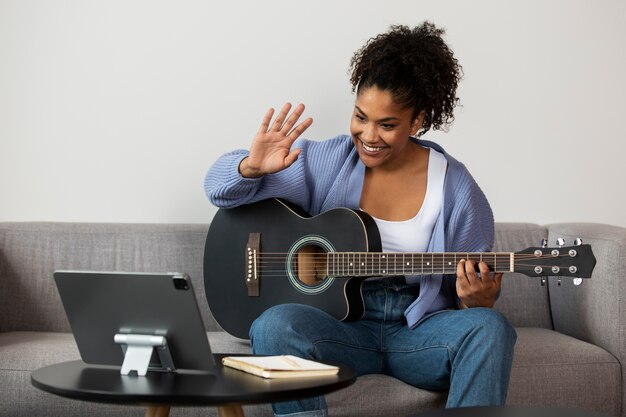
(474, 290)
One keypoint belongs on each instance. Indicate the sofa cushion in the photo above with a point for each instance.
(549, 366)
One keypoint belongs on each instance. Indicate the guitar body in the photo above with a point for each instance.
(284, 230)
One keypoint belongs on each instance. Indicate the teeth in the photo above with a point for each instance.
(371, 148)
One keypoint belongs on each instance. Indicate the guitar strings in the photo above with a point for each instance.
(318, 263)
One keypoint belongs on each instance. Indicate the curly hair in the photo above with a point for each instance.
(416, 66)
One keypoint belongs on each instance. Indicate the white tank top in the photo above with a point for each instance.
(413, 235)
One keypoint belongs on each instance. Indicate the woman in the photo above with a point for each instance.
(433, 332)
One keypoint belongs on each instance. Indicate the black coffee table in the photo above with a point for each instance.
(225, 388)
(510, 411)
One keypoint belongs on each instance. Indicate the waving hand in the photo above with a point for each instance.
(270, 151)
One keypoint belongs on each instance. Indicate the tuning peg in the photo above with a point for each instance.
(561, 242)
(577, 281)
(544, 243)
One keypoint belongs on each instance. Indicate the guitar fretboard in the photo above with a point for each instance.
(359, 264)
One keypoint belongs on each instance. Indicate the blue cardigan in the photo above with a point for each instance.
(329, 174)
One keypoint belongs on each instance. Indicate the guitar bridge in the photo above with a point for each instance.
(253, 275)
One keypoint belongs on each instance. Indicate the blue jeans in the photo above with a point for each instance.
(468, 352)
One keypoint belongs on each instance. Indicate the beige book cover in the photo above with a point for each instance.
(283, 366)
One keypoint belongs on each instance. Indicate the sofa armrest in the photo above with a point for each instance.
(596, 310)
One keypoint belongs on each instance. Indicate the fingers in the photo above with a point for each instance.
(291, 158)
(282, 115)
(265, 124)
(497, 278)
(291, 121)
(467, 269)
(285, 122)
(460, 272)
(484, 269)
(475, 290)
(295, 133)
(462, 283)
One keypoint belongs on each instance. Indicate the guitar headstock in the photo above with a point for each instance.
(562, 261)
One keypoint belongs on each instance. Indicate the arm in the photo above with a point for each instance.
(240, 177)
(471, 229)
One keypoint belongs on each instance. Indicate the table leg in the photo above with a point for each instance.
(158, 411)
(230, 410)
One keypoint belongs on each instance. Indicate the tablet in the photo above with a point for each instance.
(116, 315)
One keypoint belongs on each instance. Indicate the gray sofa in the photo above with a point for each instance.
(569, 352)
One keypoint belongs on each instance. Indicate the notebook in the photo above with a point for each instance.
(283, 366)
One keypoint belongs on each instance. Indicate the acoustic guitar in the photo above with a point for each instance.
(271, 252)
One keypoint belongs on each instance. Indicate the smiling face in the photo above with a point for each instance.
(381, 128)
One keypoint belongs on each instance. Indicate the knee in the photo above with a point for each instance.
(277, 327)
(271, 320)
(493, 328)
(279, 318)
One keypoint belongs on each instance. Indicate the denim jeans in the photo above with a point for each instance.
(468, 352)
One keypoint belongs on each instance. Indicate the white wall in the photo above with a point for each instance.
(111, 111)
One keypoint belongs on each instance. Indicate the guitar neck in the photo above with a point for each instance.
(355, 264)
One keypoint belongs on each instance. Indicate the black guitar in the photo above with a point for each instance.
(270, 252)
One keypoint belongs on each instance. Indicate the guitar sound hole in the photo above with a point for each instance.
(310, 265)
